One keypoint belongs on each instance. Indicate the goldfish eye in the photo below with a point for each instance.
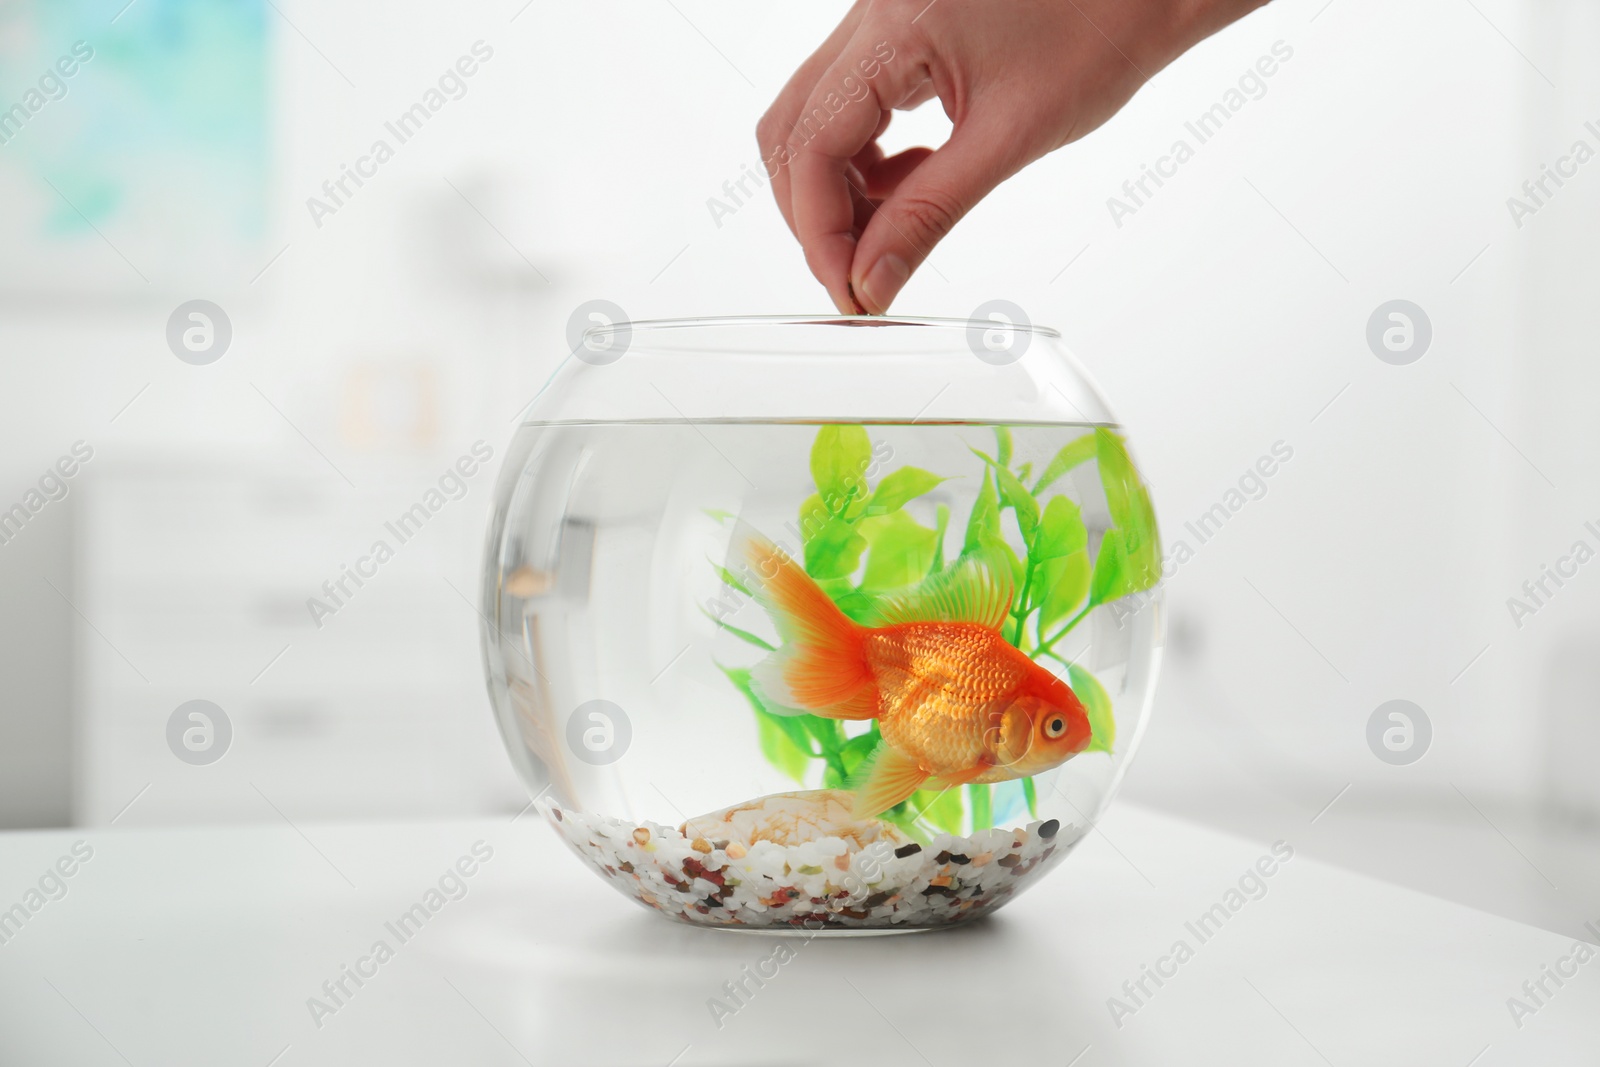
(1055, 726)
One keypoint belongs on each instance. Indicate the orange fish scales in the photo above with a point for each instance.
(943, 687)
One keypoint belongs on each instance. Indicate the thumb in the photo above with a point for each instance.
(925, 206)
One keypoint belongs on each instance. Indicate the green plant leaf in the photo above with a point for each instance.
(840, 457)
(859, 607)
(1110, 569)
(835, 551)
(1016, 497)
(855, 751)
(941, 523)
(1061, 585)
(743, 635)
(897, 489)
(783, 737)
(1071, 455)
(1002, 437)
(941, 808)
(1030, 793)
(1012, 494)
(984, 522)
(1097, 702)
(1129, 503)
(979, 800)
(901, 552)
(1061, 531)
(828, 732)
(813, 517)
(728, 577)
(998, 546)
(779, 749)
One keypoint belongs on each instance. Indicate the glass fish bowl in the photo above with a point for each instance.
(821, 625)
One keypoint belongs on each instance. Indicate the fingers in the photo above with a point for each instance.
(883, 176)
(928, 197)
(836, 125)
(777, 125)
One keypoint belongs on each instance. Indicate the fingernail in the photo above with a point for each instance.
(882, 282)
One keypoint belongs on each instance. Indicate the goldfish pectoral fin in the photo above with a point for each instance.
(891, 777)
(978, 588)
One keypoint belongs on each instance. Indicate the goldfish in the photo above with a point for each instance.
(956, 703)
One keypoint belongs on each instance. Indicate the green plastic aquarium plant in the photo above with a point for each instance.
(859, 544)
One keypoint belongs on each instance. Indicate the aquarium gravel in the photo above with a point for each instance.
(825, 883)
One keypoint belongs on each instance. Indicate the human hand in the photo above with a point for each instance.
(1018, 79)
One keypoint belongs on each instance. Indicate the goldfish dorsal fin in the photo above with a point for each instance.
(978, 589)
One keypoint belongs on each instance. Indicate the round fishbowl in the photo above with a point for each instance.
(832, 624)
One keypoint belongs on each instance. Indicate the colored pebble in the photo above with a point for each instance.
(696, 879)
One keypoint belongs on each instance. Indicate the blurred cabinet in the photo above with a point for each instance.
(193, 584)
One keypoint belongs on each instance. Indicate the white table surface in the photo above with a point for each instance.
(202, 946)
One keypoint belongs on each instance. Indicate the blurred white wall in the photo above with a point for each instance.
(1228, 313)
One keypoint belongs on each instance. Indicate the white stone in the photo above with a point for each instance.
(795, 819)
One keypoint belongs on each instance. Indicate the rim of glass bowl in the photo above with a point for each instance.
(791, 368)
(869, 321)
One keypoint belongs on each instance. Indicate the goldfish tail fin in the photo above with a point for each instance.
(889, 777)
(821, 666)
